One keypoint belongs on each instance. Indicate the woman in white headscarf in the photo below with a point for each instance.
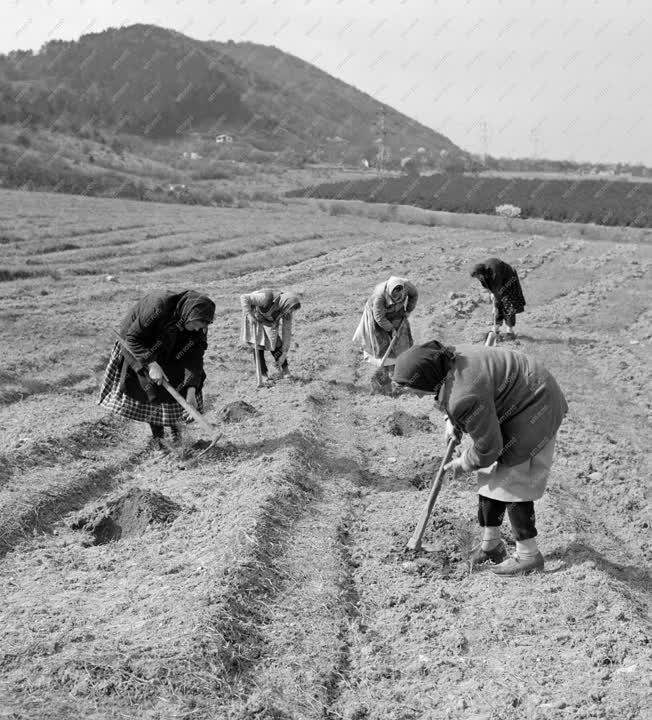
(267, 325)
(384, 317)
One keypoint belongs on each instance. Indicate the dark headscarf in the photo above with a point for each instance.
(424, 367)
(193, 306)
(493, 273)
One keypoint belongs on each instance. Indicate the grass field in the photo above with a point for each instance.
(282, 591)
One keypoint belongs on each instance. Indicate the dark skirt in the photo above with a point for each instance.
(509, 298)
(114, 399)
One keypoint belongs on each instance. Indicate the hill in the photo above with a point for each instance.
(337, 109)
(159, 83)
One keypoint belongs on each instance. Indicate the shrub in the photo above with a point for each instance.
(508, 211)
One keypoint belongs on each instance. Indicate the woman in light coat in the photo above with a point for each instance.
(385, 317)
(511, 407)
(267, 325)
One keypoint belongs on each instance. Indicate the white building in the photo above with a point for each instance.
(224, 138)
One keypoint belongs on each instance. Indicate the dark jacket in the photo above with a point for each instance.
(152, 331)
(502, 281)
(508, 403)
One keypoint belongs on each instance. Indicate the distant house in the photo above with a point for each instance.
(224, 138)
(192, 155)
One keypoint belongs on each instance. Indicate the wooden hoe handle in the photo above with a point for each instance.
(414, 543)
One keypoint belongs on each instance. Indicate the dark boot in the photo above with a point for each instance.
(495, 555)
(156, 442)
(177, 435)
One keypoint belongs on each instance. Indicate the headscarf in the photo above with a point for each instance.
(493, 273)
(392, 284)
(424, 367)
(287, 303)
(193, 306)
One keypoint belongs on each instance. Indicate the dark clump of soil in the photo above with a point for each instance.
(237, 411)
(421, 473)
(128, 516)
(402, 423)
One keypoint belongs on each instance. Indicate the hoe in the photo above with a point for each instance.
(414, 543)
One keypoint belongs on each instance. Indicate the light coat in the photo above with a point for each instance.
(263, 325)
(382, 314)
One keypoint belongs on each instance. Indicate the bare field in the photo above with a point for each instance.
(281, 590)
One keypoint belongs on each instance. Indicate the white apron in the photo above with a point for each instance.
(518, 483)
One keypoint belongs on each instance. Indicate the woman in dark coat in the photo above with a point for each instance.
(511, 407)
(502, 282)
(164, 336)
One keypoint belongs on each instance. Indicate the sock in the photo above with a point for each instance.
(526, 548)
(490, 537)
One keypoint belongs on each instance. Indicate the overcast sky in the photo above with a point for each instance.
(554, 78)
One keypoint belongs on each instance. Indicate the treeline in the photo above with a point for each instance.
(603, 202)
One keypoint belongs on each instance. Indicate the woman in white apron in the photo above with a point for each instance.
(511, 407)
(267, 325)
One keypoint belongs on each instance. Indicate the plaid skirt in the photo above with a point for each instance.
(113, 399)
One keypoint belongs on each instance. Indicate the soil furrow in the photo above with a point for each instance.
(68, 489)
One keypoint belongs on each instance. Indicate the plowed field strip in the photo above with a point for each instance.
(68, 488)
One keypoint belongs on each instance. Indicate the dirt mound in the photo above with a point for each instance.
(130, 515)
(237, 411)
(404, 424)
(463, 304)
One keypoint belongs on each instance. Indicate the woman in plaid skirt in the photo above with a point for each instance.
(502, 282)
(267, 325)
(165, 337)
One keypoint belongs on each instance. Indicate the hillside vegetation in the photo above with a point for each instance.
(158, 83)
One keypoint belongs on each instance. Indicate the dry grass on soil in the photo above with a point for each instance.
(269, 579)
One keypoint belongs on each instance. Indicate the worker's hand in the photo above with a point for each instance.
(155, 372)
(451, 432)
(455, 465)
(191, 399)
(282, 358)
